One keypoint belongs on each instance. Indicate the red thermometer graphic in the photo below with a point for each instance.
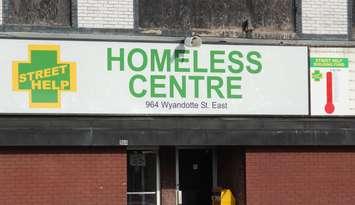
(329, 107)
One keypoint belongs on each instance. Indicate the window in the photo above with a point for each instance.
(38, 12)
(232, 15)
(143, 183)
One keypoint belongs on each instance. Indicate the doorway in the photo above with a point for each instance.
(143, 187)
(195, 176)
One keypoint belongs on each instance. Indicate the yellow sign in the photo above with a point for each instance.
(44, 76)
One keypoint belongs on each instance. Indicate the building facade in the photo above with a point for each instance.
(103, 102)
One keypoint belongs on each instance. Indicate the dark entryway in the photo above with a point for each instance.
(195, 176)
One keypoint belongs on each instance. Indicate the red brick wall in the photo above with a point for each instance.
(69, 176)
(167, 175)
(300, 176)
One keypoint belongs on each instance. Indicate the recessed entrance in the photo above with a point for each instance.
(195, 176)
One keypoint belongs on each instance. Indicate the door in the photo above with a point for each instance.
(195, 176)
(142, 178)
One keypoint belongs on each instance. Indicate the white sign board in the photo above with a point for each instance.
(332, 81)
(121, 78)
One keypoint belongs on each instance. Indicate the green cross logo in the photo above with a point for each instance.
(44, 76)
(317, 75)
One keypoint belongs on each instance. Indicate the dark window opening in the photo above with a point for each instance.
(38, 12)
(216, 16)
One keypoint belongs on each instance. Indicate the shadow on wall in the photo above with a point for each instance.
(231, 171)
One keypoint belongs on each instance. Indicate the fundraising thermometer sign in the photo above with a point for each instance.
(121, 78)
(332, 72)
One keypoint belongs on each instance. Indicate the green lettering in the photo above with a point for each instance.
(131, 60)
(111, 58)
(251, 59)
(181, 88)
(154, 85)
(131, 86)
(180, 59)
(196, 67)
(196, 80)
(233, 57)
(214, 60)
(231, 85)
(164, 62)
(216, 87)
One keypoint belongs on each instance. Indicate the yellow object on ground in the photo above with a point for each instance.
(227, 197)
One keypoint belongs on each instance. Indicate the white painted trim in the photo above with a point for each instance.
(158, 177)
(142, 193)
(177, 175)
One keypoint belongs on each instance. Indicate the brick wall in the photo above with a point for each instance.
(167, 175)
(63, 176)
(325, 17)
(117, 14)
(300, 177)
